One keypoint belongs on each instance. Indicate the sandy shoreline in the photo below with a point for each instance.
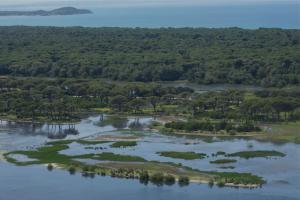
(195, 181)
(1, 155)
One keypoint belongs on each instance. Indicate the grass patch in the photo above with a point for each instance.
(182, 155)
(107, 156)
(256, 154)
(117, 157)
(282, 132)
(43, 155)
(118, 122)
(103, 110)
(90, 142)
(223, 161)
(227, 167)
(83, 142)
(238, 178)
(124, 144)
(50, 154)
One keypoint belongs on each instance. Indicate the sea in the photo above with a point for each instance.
(253, 16)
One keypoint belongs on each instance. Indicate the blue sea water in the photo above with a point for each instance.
(244, 16)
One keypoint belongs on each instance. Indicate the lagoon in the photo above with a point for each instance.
(35, 182)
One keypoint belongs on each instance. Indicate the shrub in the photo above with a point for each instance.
(169, 179)
(85, 169)
(144, 177)
(157, 179)
(211, 183)
(72, 170)
(50, 167)
(183, 181)
(220, 184)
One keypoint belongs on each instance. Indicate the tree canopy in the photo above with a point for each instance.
(268, 57)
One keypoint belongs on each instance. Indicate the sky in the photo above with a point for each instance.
(116, 3)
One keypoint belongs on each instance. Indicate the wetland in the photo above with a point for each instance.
(152, 159)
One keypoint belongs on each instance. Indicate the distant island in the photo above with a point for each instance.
(59, 11)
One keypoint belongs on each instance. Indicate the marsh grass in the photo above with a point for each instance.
(123, 144)
(182, 155)
(223, 161)
(127, 166)
(256, 154)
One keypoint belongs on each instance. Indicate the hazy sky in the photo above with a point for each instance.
(135, 2)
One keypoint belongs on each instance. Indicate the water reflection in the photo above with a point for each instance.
(51, 131)
(60, 133)
(135, 124)
(16, 135)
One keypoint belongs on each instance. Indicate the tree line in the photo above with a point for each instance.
(67, 99)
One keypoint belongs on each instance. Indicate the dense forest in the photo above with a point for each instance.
(267, 57)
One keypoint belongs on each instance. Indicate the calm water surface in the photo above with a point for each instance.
(245, 16)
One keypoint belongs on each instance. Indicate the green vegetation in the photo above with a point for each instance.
(80, 141)
(144, 177)
(220, 183)
(212, 126)
(50, 154)
(182, 155)
(228, 113)
(68, 100)
(72, 170)
(126, 166)
(122, 71)
(201, 55)
(157, 179)
(114, 157)
(219, 153)
(183, 180)
(115, 121)
(282, 132)
(91, 142)
(43, 155)
(50, 167)
(226, 167)
(169, 179)
(255, 154)
(223, 161)
(110, 69)
(124, 144)
(238, 178)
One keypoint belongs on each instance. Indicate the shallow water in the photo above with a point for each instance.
(282, 174)
(24, 135)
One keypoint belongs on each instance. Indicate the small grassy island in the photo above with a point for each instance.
(124, 144)
(182, 155)
(126, 166)
(223, 161)
(256, 154)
